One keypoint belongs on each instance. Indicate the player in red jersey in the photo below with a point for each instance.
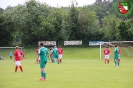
(38, 58)
(60, 52)
(18, 55)
(106, 55)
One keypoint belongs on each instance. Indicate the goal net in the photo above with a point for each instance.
(6, 51)
(124, 46)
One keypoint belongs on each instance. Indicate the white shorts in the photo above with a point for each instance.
(18, 63)
(39, 58)
(60, 56)
(106, 56)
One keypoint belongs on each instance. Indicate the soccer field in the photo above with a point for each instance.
(81, 68)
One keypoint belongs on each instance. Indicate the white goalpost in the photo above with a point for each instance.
(112, 43)
(4, 51)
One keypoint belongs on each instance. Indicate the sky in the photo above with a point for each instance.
(54, 3)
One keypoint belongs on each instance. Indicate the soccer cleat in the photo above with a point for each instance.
(42, 79)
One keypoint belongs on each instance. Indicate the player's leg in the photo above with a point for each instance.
(108, 59)
(57, 59)
(60, 58)
(43, 71)
(19, 64)
(11, 57)
(115, 62)
(53, 59)
(119, 60)
(16, 67)
(105, 59)
(42, 74)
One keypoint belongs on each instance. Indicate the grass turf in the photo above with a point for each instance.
(81, 68)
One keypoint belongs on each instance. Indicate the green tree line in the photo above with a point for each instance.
(34, 21)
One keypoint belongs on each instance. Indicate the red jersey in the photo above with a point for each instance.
(37, 51)
(17, 54)
(60, 50)
(106, 52)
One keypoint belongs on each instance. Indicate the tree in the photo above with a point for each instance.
(109, 26)
(126, 31)
(5, 33)
(74, 23)
(56, 16)
(89, 24)
(36, 13)
(1, 10)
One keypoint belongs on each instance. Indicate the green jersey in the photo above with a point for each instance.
(55, 53)
(43, 53)
(116, 53)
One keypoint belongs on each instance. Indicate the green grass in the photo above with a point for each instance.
(81, 68)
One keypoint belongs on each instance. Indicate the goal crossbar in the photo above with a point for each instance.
(10, 47)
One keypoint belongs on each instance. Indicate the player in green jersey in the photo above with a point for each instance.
(55, 54)
(116, 55)
(43, 53)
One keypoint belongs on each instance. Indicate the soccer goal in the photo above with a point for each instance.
(5, 51)
(127, 46)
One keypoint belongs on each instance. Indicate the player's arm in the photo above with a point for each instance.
(62, 51)
(21, 55)
(109, 52)
(37, 52)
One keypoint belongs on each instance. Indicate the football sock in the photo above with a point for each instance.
(44, 75)
(108, 61)
(118, 63)
(60, 60)
(57, 60)
(21, 68)
(52, 60)
(115, 63)
(41, 73)
(16, 68)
